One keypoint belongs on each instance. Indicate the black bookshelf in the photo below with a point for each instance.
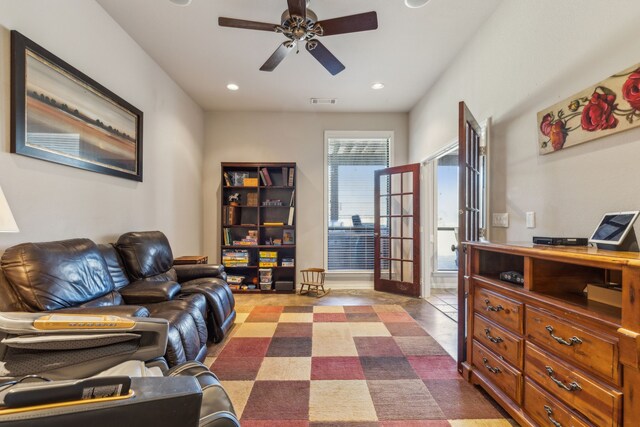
(258, 217)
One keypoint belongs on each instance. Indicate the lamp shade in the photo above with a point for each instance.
(7, 223)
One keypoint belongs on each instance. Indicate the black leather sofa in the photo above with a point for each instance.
(77, 276)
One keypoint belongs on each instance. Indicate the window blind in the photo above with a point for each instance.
(351, 165)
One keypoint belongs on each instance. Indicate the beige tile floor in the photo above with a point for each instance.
(446, 301)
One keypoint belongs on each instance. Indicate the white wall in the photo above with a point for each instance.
(51, 201)
(528, 56)
(285, 137)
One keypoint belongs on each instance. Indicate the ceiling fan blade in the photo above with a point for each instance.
(276, 58)
(247, 25)
(326, 58)
(350, 24)
(298, 7)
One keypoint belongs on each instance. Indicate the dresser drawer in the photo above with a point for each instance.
(498, 308)
(495, 338)
(508, 379)
(599, 404)
(547, 411)
(596, 353)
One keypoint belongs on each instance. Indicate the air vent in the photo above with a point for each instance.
(327, 101)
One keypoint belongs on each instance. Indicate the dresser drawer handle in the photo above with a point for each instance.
(572, 340)
(491, 369)
(492, 308)
(549, 412)
(496, 340)
(573, 386)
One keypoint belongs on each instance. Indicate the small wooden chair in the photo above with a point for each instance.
(313, 278)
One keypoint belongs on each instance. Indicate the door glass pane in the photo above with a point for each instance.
(407, 226)
(384, 269)
(396, 270)
(384, 184)
(447, 203)
(384, 205)
(407, 204)
(384, 226)
(396, 184)
(396, 227)
(407, 249)
(407, 272)
(407, 182)
(396, 204)
(384, 248)
(396, 248)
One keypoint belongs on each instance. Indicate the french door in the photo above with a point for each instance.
(397, 230)
(470, 211)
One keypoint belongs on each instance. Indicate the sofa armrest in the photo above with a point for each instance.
(143, 291)
(107, 310)
(197, 271)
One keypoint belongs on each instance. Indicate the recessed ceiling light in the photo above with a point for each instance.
(233, 86)
(413, 4)
(181, 2)
(377, 86)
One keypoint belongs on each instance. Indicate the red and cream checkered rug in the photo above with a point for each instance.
(344, 366)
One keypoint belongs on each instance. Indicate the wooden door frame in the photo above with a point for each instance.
(390, 285)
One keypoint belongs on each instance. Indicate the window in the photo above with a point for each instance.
(351, 162)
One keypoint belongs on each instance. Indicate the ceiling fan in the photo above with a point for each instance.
(299, 24)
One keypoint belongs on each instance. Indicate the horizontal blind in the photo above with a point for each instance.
(351, 165)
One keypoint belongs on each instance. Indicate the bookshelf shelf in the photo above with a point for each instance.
(244, 221)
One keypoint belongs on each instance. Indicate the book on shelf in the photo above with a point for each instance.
(227, 236)
(291, 212)
(290, 181)
(293, 193)
(273, 224)
(264, 181)
(288, 262)
(231, 215)
(267, 178)
(285, 173)
(227, 179)
(288, 237)
(250, 182)
(235, 258)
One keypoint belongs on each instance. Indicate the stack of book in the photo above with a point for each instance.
(251, 239)
(268, 259)
(266, 278)
(235, 258)
(265, 177)
(288, 262)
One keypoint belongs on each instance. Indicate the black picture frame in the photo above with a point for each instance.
(61, 115)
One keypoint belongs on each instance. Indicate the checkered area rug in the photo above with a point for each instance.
(295, 366)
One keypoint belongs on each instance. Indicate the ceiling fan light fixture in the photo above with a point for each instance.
(181, 2)
(414, 4)
(233, 87)
(377, 86)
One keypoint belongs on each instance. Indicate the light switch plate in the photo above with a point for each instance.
(531, 220)
(500, 220)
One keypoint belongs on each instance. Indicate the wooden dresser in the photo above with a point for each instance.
(546, 353)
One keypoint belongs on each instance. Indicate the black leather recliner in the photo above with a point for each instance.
(72, 276)
(147, 256)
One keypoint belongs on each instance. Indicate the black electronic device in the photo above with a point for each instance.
(512, 277)
(561, 241)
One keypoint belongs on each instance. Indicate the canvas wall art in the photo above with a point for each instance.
(61, 115)
(608, 107)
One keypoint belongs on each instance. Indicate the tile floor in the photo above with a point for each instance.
(445, 300)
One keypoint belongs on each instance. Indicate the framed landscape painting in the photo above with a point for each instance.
(61, 115)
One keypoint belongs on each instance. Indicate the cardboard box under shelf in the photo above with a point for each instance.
(604, 295)
(284, 285)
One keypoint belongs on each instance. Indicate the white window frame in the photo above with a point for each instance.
(331, 134)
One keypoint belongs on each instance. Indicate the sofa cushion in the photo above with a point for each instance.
(54, 275)
(117, 270)
(146, 254)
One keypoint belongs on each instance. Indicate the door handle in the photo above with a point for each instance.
(376, 234)
(454, 248)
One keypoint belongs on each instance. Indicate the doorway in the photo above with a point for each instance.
(440, 172)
